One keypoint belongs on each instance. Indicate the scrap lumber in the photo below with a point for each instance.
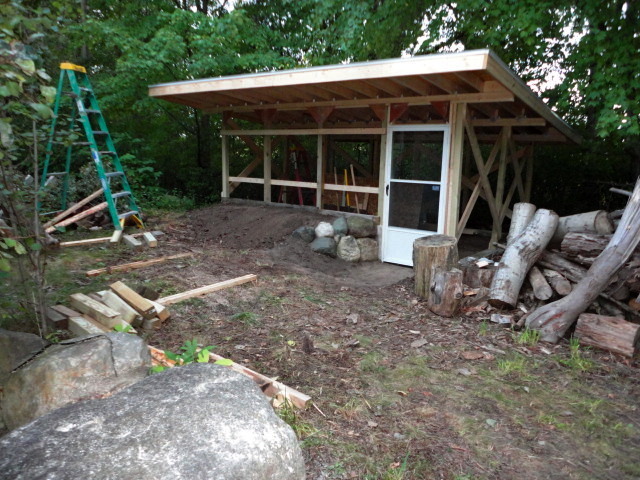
(554, 319)
(445, 292)
(125, 267)
(151, 323)
(132, 241)
(105, 315)
(197, 292)
(73, 208)
(150, 240)
(56, 319)
(85, 325)
(140, 304)
(129, 315)
(519, 257)
(91, 241)
(78, 216)
(116, 237)
(608, 333)
(433, 251)
(66, 311)
(269, 386)
(162, 312)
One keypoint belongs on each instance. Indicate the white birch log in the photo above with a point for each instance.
(522, 214)
(554, 319)
(590, 222)
(519, 257)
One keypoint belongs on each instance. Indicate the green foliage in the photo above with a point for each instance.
(528, 337)
(576, 360)
(122, 328)
(190, 352)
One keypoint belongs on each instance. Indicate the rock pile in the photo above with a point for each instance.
(349, 238)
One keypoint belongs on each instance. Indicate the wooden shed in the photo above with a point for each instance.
(434, 134)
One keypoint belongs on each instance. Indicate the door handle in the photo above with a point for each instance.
(387, 190)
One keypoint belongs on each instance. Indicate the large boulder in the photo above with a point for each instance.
(306, 234)
(324, 245)
(197, 421)
(340, 226)
(368, 249)
(348, 249)
(15, 349)
(73, 370)
(324, 229)
(361, 227)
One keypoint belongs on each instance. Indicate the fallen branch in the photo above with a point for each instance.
(197, 292)
(554, 319)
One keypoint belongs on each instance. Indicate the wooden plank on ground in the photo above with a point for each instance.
(125, 267)
(269, 386)
(116, 237)
(140, 304)
(56, 319)
(73, 208)
(132, 241)
(66, 311)
(129, 315)
(150, 240)
(197, 292)
(162, 312)
(78, 216)
(85, 325)
(90, 241)
(105, 315)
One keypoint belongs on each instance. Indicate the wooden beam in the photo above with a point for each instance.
(126, 267)
(396, 110)
(92, 241)
(442, 108)
(320, 114)
(267, 115)
(225, 167)
(73, 208)
(84, 325)
(78, 216)
(350, 188)
(320, 156)
(266, 161)
(307, 131)
(132, 241)
(238, 180)
(105, 315)
(140, 304)
(197, 292)
(150, 240)
(509, 122)
(116, 237)
(454, 176)
(502, 173)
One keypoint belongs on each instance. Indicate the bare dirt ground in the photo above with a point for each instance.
(400, 392)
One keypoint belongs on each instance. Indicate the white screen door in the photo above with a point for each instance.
(417, 159)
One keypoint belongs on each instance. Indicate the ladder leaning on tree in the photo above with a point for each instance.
(121, 204)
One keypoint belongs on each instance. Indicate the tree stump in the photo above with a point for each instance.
(519, 257)
(608, 333)
(445, 291)
(431, 252)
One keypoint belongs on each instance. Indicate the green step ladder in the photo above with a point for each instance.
(121, 204)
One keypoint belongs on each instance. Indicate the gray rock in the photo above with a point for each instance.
(197, 421)
(368, 249)
(348, 249)
(361, 227)
(73, 370)
(324, 245)
(15, 349)
(324, 229)
(340, 226)
(306, 234)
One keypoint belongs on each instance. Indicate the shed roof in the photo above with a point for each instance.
(423, 86)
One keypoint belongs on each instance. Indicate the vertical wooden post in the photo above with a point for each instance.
(266, 166)
(383, 162)
(528, 182)
(225, 166)
(320, 170)
(502, 173)
(457, 114)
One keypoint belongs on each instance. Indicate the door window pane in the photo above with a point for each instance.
(414, 205)
(417, 156)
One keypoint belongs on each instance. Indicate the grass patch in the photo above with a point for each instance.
(371, 363)
(250, 319)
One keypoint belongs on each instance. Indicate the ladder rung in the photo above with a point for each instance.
(100, 132)
(91, 110)
(85, 89)
(128, 214)
(82, 143)
(106, 152)
(113, 174)
(56, 174)
(121, 194)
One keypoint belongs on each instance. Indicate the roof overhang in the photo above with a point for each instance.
(421, 88)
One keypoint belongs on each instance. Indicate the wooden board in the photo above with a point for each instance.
(125, 267)
(90, 241)
(197, 292)
(129, 315)
(99, 311)
(73, 208)
(56, 319)
(116, 237)
(78, 216)
(84, 325)
(150, 240)
(140, 304)
(66, 311)
(131, 241)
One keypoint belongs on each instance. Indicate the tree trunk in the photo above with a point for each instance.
(585, 247)
(554, 319)
(428, 253)
(589, 222)
(445, 292)
(522, 215)
(608, 333)
(519, 257)
(541, 289)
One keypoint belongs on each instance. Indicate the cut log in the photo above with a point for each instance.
(76, 217)
(132, 241)
(554, 319)
(590, 222)
(560, 284)
(73, 208)
(99, 311)
(541, 289)
(522, 214)
(125, 267)
(140, 304)
(585, 247)
(445, 292)
(476, 277)
(432, 252)
(608, 333)
(519, 257)
(197, 292)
